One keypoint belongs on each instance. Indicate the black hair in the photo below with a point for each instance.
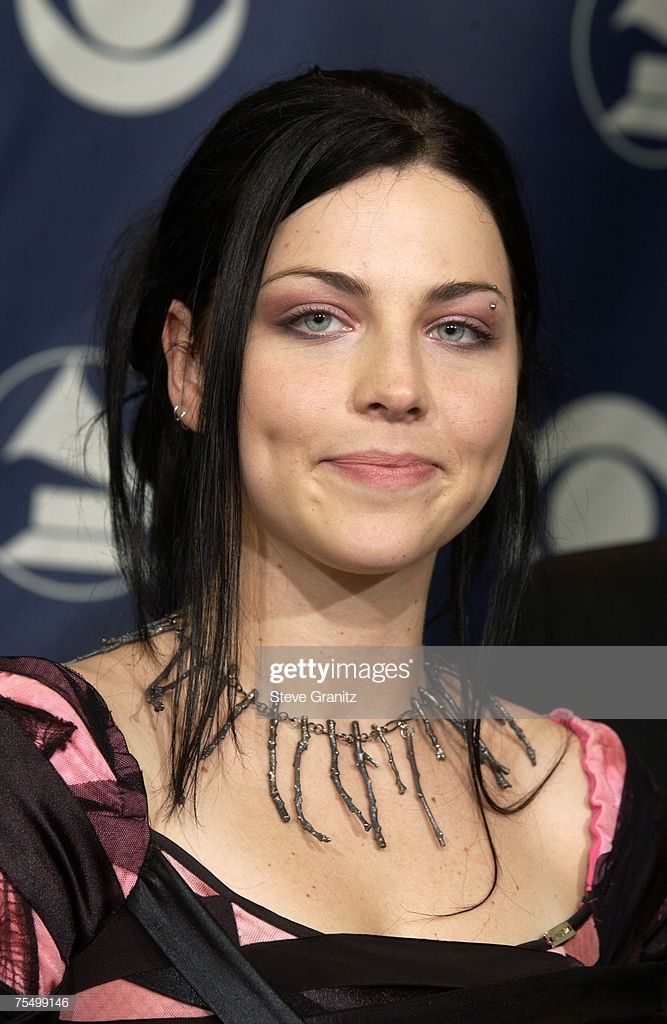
(175, 494)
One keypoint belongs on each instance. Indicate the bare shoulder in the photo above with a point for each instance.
(553, 743)
(121, 677)
(561, 810)
(114, 674)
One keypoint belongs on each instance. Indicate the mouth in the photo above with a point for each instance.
(383, 470)
(378, 457)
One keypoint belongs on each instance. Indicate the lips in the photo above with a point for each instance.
(377, 457)
(377, 468)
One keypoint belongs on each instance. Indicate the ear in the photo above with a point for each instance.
(182, 366)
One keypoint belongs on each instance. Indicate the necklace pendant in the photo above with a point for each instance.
(335, 775)
(273, 764)
(408, 734)
(301, 747)
(390, 755)
(360, 761)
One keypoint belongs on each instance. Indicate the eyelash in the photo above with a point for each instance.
(484, 336)
(303, 312)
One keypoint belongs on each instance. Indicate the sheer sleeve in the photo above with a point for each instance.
(74, 829)
(30, 962)
(627, 868)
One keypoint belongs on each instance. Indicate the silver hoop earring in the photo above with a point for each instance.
(178, 413)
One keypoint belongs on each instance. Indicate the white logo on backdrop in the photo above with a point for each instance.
(634, 125)
(65, 533)
(127, 57)
(603, 462)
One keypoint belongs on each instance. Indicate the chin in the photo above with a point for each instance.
(368, 561)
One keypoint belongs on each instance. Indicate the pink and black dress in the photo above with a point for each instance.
(75, 838)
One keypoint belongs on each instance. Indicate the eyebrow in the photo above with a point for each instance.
(344, 282)
(355, 286)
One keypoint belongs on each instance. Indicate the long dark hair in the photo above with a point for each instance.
(271, 153)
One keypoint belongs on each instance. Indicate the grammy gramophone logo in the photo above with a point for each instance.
(54, 532)
(619, 62)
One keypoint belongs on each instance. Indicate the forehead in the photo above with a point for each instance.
(415, 226)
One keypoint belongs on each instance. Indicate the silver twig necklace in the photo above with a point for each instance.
(435, 698)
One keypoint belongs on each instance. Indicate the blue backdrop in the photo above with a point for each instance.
(102, 101)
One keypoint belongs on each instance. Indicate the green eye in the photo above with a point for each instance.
(317, 321)
(452, 331)
(457, 332)
(309, 323)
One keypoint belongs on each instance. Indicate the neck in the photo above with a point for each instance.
(290, 600)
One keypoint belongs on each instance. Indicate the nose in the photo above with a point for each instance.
(390, 378)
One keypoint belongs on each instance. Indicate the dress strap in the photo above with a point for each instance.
(200, 949)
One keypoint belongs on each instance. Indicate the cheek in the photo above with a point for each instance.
(279, 411)
(483, 423)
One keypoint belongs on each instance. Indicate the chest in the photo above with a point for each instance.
(350, 884)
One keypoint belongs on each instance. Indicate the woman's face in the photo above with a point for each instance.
(384, 324)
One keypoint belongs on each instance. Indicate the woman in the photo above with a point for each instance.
(327, 335)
